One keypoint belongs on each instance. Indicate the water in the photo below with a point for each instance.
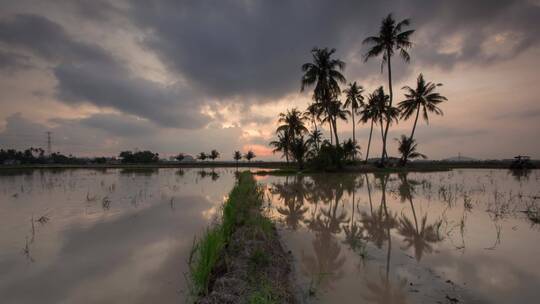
(112, 236)
(415, 238)
(117, 236)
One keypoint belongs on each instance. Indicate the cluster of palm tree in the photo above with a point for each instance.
(213, 155)
(324, 74)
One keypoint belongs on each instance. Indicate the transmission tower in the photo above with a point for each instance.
(49, 143)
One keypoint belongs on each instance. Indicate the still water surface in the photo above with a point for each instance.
(112, 236)
(117, 236)
(412, 238)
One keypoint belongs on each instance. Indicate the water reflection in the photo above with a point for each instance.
(393, 228)
(115, 236)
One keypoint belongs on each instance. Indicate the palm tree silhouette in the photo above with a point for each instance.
(282, 144)
(313, 111)
(369, 113)
(237, 156)
(422, 98)
(355, 100)
(390, 39)
(293, 196)
(335, 111)
(407, 148)
(292, 122)
(314, 139)
(384, 112)
(324, 73)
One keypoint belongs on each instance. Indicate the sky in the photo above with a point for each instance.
(191, 76)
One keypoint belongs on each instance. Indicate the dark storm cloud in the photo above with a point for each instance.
(120, 125)
(13, 61)
(231, 48)
(88, 73)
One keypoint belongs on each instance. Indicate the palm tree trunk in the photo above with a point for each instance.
(415, 121)
(383, 135)
(334, 122)
(369, 194)
(391, 99)
(353, 133)
(369, 141)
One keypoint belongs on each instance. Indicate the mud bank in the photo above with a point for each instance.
(250, 265)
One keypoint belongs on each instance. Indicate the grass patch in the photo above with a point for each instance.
(263, 295)
(203, 258)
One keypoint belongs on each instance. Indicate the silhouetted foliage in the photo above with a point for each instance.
(249, 155)
(138, 157)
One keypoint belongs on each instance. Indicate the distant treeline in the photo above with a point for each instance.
(36, 156)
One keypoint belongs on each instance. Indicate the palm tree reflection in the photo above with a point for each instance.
(420, 237)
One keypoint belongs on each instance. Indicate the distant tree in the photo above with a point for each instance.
(390, 39)
(137, 157)
(423, 98)
(250, 155)
(202, 156)
(180, 157)
(237, 156)
(407, 149)
(213, 155)
(355, 100)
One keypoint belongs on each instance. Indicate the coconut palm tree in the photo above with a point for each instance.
(355, 100)
(313, 111)
(369, 113)
(324, 73)
(422, 98)
(385, 113)
(292, 123)
(407, 149)
(202, 156)
(335, 111)
(390, 39)
(250, 155)
(213, 154)
(299, 149)
(282, 144)
(237, 156)
(314, 139)
(350, 149)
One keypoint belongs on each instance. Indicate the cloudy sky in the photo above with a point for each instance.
(190, 76)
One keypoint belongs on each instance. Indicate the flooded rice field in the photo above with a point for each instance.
(110, 236)
(123, 236)
(463, 236)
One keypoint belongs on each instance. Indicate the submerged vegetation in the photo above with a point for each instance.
(239, 259)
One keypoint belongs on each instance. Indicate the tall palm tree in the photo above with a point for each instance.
(389, 40)
(369, 113)
(292, 123)
(355, 100)
(324, 73)
(422, 98)
(313, 111)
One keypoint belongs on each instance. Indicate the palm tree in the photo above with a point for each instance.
(213, 154)
(202, 156)
(407, 149)
(390, 39)
(314, 139)
(237, 156)
(292, 123)
(282, 144)
(369, 113)
(299, 149)
(324, 73)
(335, 111)
(355, 100)
(250, 155)
(313, 111)
(422, 98)
(350, 149)
(384, 112)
